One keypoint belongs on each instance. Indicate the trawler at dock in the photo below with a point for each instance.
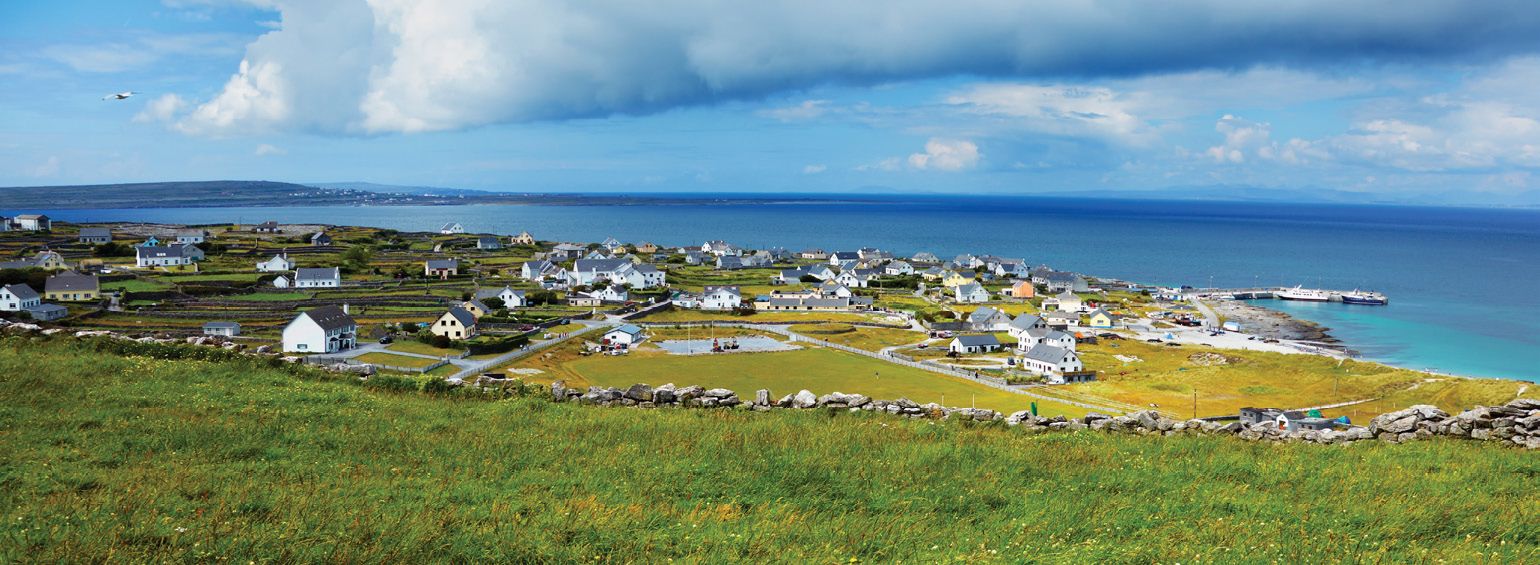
(1297, 293)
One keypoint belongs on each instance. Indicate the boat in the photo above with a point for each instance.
(1305, 294)
(1364, 297)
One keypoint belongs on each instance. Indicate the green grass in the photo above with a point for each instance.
(418, 347)
(816, 369)
(136, 285)
(396, 360)
(268, 297)
(106, 458)
(871, 339)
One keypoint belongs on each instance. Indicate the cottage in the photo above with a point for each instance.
(1024, 322)
(840, 258)
(225, 329)
(729, 263)
(539, 269)
(318, 277)
(151, 241)
(32, 222)
(1052, 362)
(612, 293)
(457, 323)
(1022, 289)
(953, 279)
(1010, 269)
(721, 297)
(511, 298)
(1065, 282)
(18, 297)
(971, 293)
(594, 271)
(282, 282)
(190, 237)
(565, 251)
(988, 319)
(627, 335)
(833, 289)
(487, 242)
(267, 227)
(1100, 318)
(70, 286)
(974, 344)
(718, 248)
(47, 312)
(166, 256)
(327, 329)
(646, 247)
(278, 264)
(898, 269)
(1061, 320)
(320, 239)
(583, 299)
(1033, 337)
(814, 254)
(925, 257)
(95, 235)
(46, 260)
(441, 268)
(612, 244)
(451, 228)
(1067, 302)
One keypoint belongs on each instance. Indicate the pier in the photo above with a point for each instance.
(1255, 293)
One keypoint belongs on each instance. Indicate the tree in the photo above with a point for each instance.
(810, 279)
(357, 258)
(494, 303)
(112, 249)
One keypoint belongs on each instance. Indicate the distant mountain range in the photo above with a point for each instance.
(228, 193)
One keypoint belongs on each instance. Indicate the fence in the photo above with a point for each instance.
(325, 360)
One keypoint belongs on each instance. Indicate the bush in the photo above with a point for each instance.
(390, 383)
(499, 345)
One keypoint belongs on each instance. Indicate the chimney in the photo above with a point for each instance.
(344, 308)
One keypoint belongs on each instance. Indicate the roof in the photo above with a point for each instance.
(632, 329)
(1049, 354)
(497, 292)
(70, 280)
(330, 318)
(319, 235)
(599, 265)
(1067, 295)
(970, 288)
(48, 308)
(317, 273)
(22, 291)
(463, 316)
(1060, 276)
(983, 314)
(1102, 311)
(976, 340)
(815, 302)
(567, 247)
(160, 250)
(30, 217)
(232, 325)
(450, 225)
(95, 232)
(731, 289)
(486, 240)
(443, 263)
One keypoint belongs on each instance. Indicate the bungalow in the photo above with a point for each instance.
(591, 271)
(457, 323)
(476, 307)
(1101, 318)
(1067, 302)
(971, 293)
(835, 290)
(565, 251)
(898, 269)
(854, 278)
(488, 242)
(955, 279)
(612, 244)
(1011, 269)
(1025, 322)
(318, 277)
(583, 299)
(792, 276)
(933, 273)
(47, 312)
(815, 304)
(226, 329)
(966, 261)
(451, 228)
(18, 297)
(190, 237)
(988, 319)
(646, 247)
(1022, 289)
(718, 248)
(32, 222)
(730, 263)
(838, 258)
(279, 263)
(611, 293)
(627, 335)
(539, 269)
(441, 268)
(1050, 361)
(46, 260)
(511, 298)
(267, 227)
(815, 254)
(1058, 281)
(925, 257)
(721, 297)
(95, 235)
(320, 239)
(70, 286)
(974, 344)
(1037, 336)
(1061, 320)
(167, 256)
(327, 329)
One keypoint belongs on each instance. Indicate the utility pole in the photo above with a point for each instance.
(1194, 404)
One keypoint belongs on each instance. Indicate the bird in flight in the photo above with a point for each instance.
(119, 96)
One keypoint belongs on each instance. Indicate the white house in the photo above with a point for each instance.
(898, 268)
(32, 222)
(1039, 336)
(718, 248)
(834, 289)
(1024, 322)
(854, 278)
(627, 335)
(488, 242)
(971, 293)
(166, 256)
(511, 298)
(18, 297)
(592, 271)
(320, 277)
(721, 297)
(612, 245)
(988, 319)
(974, 344)
(1052, 361)
(190, 237)
(327, 329)
(279, 263)
(226, 329)
(451, 228)
(611, 293)
(282, 282)
(1068, 302)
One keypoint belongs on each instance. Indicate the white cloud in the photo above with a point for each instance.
(814, 169)
(946, 155)
(140, 50)
(383, 66)
(807, 110)
(162, 109)
(264, 150)
(1080, 111)
(49, 167)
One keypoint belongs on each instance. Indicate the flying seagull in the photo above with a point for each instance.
(119, 96)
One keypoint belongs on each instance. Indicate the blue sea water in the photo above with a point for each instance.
(1462, 282)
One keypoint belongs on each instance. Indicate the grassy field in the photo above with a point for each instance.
(106, 458)
(421, 348)
(396, 360)
(819, 370)
(1167, 376)
(762, 317)
(269, 297)
(872, 339)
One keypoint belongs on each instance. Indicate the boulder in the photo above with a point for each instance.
(804, 399)
(689, 393)
(762, 397)
(639, 392)
(1526, 404)
(1092, 417)
(664, 394)
(718, 393)
(1016, 418)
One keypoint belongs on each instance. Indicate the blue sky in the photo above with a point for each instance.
(1389, 101)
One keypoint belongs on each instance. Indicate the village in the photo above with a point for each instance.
(457, 305)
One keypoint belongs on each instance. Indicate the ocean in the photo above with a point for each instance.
(1464, 284)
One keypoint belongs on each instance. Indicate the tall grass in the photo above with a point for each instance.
(105, 457)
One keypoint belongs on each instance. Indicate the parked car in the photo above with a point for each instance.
(387, 339)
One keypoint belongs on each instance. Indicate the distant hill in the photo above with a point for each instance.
(399, 189)
(188, 194)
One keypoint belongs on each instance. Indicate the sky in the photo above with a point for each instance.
(1379, 100)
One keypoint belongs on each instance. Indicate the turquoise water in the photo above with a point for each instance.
(1462, 282)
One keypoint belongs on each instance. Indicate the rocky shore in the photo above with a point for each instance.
(1268, 323)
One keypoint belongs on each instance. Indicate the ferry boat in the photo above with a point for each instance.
(1363, 297)
(1301, 293)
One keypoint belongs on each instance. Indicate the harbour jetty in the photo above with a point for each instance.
(1290, 293)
